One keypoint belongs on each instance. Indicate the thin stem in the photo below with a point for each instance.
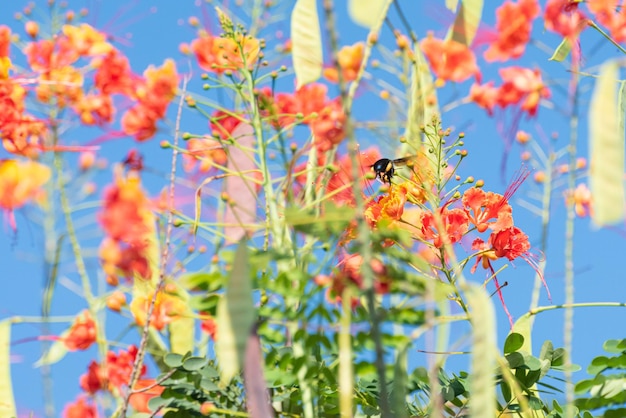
(568, 325)
(137, 366)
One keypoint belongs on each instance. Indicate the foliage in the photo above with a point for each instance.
(268, 275)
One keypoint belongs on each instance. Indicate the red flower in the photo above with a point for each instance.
(94, 379)
(223, 124)
(5, 40)
(522, 85)
(455, 223)
(484, 95)
(80, 409)
(328, 128)
(564, 18)
(114, 74)
(610, 15)
(82, 333)
(482, 206)
(449, 59)
(513, 25)
(510, 243)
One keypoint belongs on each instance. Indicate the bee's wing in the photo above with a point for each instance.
(403, 161)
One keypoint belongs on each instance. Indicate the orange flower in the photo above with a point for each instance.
(5, 66)
(513, 24)
(47, 54)
(167, 309)
(128, 260)
(116, 300)
(159, 87)
(113, 74)
(449, 59)
(484, 95)
(140, 122)
(612, 14)
(455, 224)
(349, 58)
(221, 54)
(522, 85)
(126, 213)
(82, 333)
(311, 98)
(139, 400)
(482, 206)
(64, 85)
(581, 198)
(21, 182)
(95, 109)
(86, 40)
(82, 408)
(328, 127)
(388, 207)
(203, 151)
(5, 40)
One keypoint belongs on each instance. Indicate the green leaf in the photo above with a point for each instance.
(523, 326)
(173, 360)
(466, 22)
(368, 13)
(7, 403)
(306, 41)
(194, 363)
(483, 362)
(55, 353)
(235, 317)
(606, 147)
(562, 51)
(513, 342)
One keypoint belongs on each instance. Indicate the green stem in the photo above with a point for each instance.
(568, 326)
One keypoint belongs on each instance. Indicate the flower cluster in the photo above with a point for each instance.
(129, 226)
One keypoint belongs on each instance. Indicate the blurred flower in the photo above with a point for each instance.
(82, 332)
(565, 18)
(513, 26)
(116, 300)
(450, 60)
(94, 109)
(328, 128)
(349, 58)
(21, 182)
(223, 124)
(522, 85)
(217, 54)
(609, 14)
(581, 199)
(484, 95)
(113, 74)
(5, 40)
(86, 40)
(81, 408)
(209, 325)
(167, 308)
(204, 152)
(139, 400)
(113, 376)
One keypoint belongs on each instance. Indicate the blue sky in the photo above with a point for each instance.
(156, 34)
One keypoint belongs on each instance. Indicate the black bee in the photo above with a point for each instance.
(386, 168)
